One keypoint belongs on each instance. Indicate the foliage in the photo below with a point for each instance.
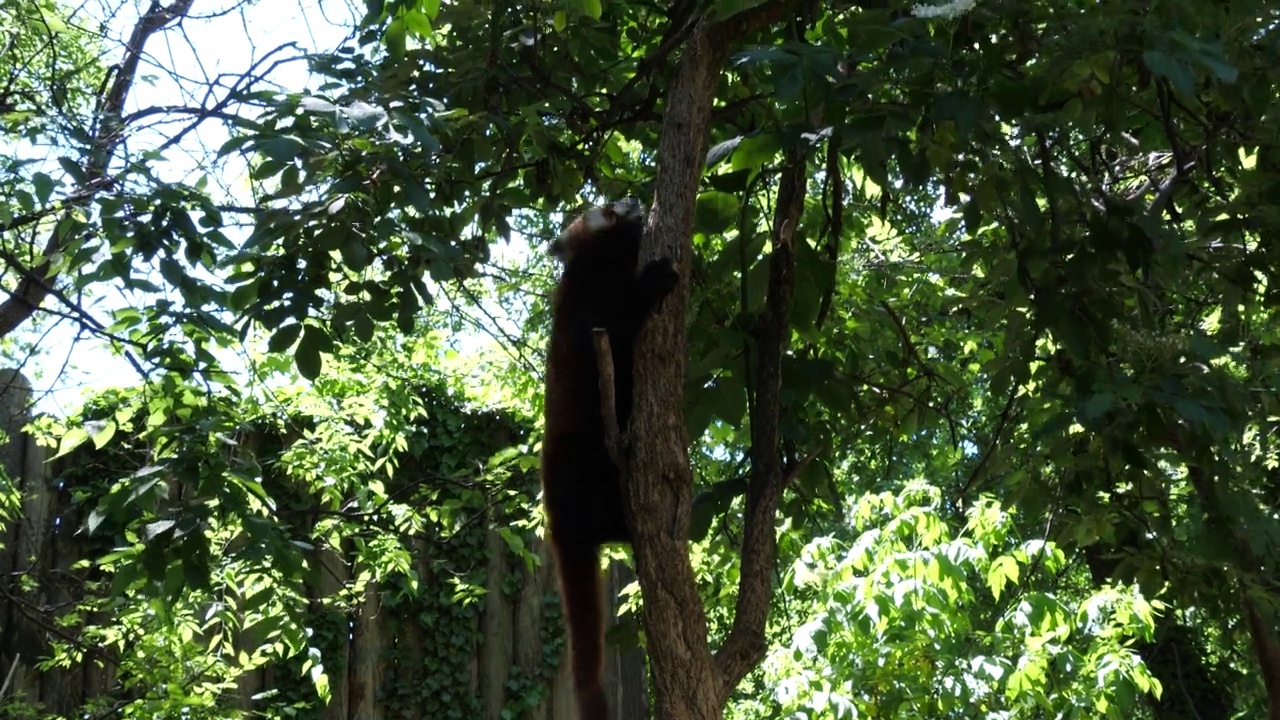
(49, 71)
(208, 539)
(918, 618)
(1032, 267)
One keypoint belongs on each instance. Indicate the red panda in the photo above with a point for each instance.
(598, 288)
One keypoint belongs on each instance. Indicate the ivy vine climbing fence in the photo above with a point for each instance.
(384, 657)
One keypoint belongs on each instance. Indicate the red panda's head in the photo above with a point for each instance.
(598, 222)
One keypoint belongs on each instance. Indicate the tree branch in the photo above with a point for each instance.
(34, 286)
(608, 397)
(1267, 650)
(745, 645)
(834, 178)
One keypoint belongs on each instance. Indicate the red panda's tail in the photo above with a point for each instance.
(579, 569)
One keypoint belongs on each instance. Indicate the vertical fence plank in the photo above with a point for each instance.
(366, 657)
(250, 682)
(495, 647)
(410, 645)
(99, 667)
(24, 541)
(529, 611)
(562, 706)
(626, 679)
(61, 588)
(330, 577)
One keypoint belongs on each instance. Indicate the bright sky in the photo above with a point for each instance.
(220, 37)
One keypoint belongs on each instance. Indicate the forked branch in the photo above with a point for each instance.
(688, 681)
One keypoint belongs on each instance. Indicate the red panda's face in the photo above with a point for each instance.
(593, 222)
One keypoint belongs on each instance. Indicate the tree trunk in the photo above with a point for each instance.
(687, 685)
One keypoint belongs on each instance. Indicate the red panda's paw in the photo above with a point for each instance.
(658, 279)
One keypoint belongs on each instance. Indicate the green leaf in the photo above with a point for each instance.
(72, 439)
(395, 39)
(407, 313)
(96, 516)
(1097, 405)
(72, 168)
(155, 529)
(766, 55)
(126, 575)
(243, 296)
(281, 149)
(43, 185)
(1191, 411)
(1003, 570)
(104, 435)
(730, 182)
(418, 129)
(1208, 54)
(307, 355)
(1176, 71)
(315, 104)
(715, 212)
(754, 153)
(354, 253)
(966, 110)
(722, 150)
(284, 337)
(1223, 71)
(418, 24)
(53, 24)
(362, 325)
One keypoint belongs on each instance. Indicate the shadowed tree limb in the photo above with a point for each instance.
(745, 646)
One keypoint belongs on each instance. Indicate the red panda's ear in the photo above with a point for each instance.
(568, 240)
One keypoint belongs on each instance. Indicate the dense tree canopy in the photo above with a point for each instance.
(966, 406)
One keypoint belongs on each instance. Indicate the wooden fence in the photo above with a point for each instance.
(383, 651)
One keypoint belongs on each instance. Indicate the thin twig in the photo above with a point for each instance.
(794, 471)
(17, 657)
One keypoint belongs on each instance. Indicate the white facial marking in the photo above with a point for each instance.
(599, 218)
(629, 208)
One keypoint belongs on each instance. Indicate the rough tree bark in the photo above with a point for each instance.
(688, 683)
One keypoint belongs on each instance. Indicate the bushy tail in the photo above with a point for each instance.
(579, 569)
